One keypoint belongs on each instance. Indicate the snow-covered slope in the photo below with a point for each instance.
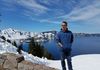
(81, 62)
(13, 34)
(7, 47)
(16, 34)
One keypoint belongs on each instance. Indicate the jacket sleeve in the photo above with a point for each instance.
(72, 37)
(57, 38)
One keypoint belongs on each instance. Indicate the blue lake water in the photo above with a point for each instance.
(25, 47)
(81, 45)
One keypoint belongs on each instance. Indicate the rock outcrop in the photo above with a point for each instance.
(10, 61)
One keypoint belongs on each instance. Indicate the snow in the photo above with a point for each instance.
(16, 34)
(13, 34)
(7, 47)
(87, 62)
(80, 62)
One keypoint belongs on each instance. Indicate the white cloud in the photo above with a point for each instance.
(30, 5)
(88, 13)
(49, 21)
(33, 6)
(84, 14)
(50, 2)
(8, 5)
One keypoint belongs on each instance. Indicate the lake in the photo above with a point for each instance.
(80, 46)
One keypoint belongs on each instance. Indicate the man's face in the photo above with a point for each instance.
(63, 26)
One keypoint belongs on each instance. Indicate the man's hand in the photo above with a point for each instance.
(60, 44)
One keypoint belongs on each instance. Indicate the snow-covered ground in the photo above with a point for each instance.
(81, 62)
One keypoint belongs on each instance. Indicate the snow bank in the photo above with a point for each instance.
(80, 62)
(86, 62)
(7, 47)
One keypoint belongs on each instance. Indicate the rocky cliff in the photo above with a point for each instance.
(10, 61)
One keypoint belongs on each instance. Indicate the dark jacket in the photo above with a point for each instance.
(65, 38)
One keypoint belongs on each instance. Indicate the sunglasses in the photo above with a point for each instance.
(63, 25)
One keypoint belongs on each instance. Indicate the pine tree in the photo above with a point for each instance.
(47, 54)
(8, 41)
(14, 43)
(3, 38)
(37, 49)
(31, 45)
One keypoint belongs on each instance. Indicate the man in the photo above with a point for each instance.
(64, 40)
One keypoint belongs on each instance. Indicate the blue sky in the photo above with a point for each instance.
(45, 15)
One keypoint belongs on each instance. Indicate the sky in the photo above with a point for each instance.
(46, 15)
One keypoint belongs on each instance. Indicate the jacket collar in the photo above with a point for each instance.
(65, 31)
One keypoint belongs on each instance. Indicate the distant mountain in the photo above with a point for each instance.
(16, 34)
(87, 34)
(53, 32)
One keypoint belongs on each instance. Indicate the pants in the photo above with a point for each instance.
(66, 54)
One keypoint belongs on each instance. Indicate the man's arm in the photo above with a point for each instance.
(72, 37)
(58, 40)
